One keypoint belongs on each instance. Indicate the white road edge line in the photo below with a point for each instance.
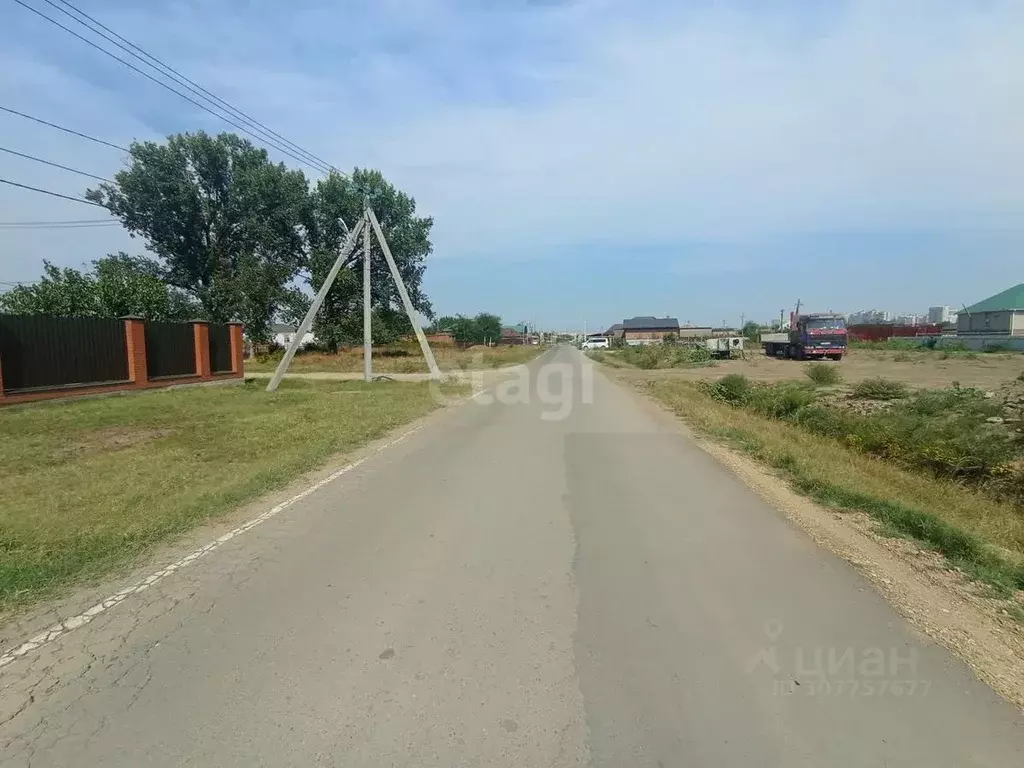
(51, 634)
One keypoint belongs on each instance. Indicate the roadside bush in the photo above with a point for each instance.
(944, 432)
(781, 401)
(823, 374)
(734, 388)
(879, 389)
(665, 356)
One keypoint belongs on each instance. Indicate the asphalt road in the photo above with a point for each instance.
(505, 588)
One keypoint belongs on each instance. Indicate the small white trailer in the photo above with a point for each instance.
(724, 346)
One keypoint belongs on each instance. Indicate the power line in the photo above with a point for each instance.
(16, 227)
(56, 165)
(225, 118)
(51, 223)
(48, 192)
(178, 77)
(62, 128)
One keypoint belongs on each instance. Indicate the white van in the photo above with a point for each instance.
(595, 342)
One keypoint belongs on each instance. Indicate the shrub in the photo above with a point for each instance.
(734, 388)
(665, 356)
(823, 374)
(781, 401)
(901, 357)
(880, 389)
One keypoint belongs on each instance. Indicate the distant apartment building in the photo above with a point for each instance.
(870, 317)
(908, 319)
(941, 315)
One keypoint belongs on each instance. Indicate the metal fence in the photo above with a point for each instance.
(220, 348)
(170, 349)
(38, 351)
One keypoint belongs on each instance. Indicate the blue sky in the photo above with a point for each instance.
(589, 159)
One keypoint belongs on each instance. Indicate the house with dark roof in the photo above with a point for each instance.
(614, 331)
(647, 330)
(1002, 314)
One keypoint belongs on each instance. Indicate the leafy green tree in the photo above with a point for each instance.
(337, 199)
(119, 285)
(488, 327)
(752, 330)
(471, 330)
(226, 222)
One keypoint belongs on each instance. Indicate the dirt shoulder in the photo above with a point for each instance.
(935, 597)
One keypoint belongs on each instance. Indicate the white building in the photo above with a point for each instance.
(910, 318)
(283, 335)
(941, 315)
(870, 317)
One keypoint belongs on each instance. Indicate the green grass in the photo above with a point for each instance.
(823, 374)
(650, 356)
(89, 485)
(879, 389)
(982, 536)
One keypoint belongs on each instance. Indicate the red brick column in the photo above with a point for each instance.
(135, 345)
(201, 330)
(237, 349)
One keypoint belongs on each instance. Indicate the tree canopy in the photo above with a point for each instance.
(237, 237)
(118, 285)
(481, 329)
(336, 199)
(226, 222)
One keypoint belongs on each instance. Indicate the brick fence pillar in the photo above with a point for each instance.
(237, 349)
(201, 331)
(135, 346)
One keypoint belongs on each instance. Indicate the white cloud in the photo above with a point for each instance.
(532, 128)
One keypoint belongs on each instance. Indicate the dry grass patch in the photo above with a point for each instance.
(980, 535)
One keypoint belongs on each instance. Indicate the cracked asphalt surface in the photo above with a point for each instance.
(509, 589)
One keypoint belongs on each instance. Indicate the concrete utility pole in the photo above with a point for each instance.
(362, 227)
(435, 372)
(367, 313)
(307, 321)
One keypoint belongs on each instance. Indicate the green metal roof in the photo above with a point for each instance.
(1011, 298)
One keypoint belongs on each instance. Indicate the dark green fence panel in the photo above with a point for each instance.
(220, 348)
(170, 349)
(41, 351)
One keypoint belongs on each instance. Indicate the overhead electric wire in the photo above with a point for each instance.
(55, 222)
(48, 192)
(56, 165)
(225, 118)
(62, 128)
(180, 78)
(16, 227)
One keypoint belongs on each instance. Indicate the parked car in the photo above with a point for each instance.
(595, 342)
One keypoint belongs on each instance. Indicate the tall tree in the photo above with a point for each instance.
(337, 199)
(119, 285)
(226, 222)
